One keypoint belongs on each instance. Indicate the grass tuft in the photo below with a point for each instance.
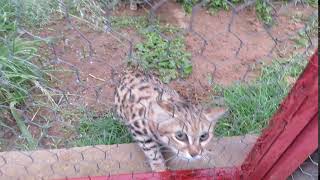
(252, 105)
(104, 130)
(35, 13)
(310, 30)
(18, 72)
(264, 12)
(167, 58)
(137, 22)
(263, 9)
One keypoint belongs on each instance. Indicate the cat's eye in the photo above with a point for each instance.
(204, 136)
(181, 136)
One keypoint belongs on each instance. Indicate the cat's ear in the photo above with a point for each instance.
(215, 113)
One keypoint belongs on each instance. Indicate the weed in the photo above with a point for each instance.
(168, 58)
(251, 105)
(313, 3)
(18, 74)
(212, 5)
(310, 30)
(35, 13)
(264, 10)
(87, 10)
(187, 4)
(104, 130)
(7, 18)
(137, 22)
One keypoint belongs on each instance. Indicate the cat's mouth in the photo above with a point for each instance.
(194, 157)
(186, 155)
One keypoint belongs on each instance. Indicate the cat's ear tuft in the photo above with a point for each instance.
(216, 113)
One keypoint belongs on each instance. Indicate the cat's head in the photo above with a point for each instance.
(184, 128)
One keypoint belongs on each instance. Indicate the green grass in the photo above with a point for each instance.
(187, 4)
(263, 9)
(302, 39)
(38, 13)
(18, 72)
(211, 5)
(35, 13)
(104, 130)
(313, 3)
(168, 59)
(264, 12)
(251, 105)
(7, 18)
(137, 22)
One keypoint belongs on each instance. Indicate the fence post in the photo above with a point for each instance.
(292, 134)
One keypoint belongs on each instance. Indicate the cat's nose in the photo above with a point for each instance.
(192, 154)
(194, 151)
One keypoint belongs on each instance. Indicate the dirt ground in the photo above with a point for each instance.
(228, 57)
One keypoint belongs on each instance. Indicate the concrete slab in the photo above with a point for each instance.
(113, 159)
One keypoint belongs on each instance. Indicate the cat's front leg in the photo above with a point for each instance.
(156, 160)
(154, 156)
(152, 152)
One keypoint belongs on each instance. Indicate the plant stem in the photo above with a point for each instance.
(22, 127)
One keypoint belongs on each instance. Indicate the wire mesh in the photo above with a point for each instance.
(86, 65)
(308, 169)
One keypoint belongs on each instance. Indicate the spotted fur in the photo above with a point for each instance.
(158, 117)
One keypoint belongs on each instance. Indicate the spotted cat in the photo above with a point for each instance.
(158, 116)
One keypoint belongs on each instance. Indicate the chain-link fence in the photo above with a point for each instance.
(234, 56)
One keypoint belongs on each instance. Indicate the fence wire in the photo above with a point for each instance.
(308, 169)
(86, 65)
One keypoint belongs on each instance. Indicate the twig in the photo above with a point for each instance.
(35, 114)
(100, 79)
